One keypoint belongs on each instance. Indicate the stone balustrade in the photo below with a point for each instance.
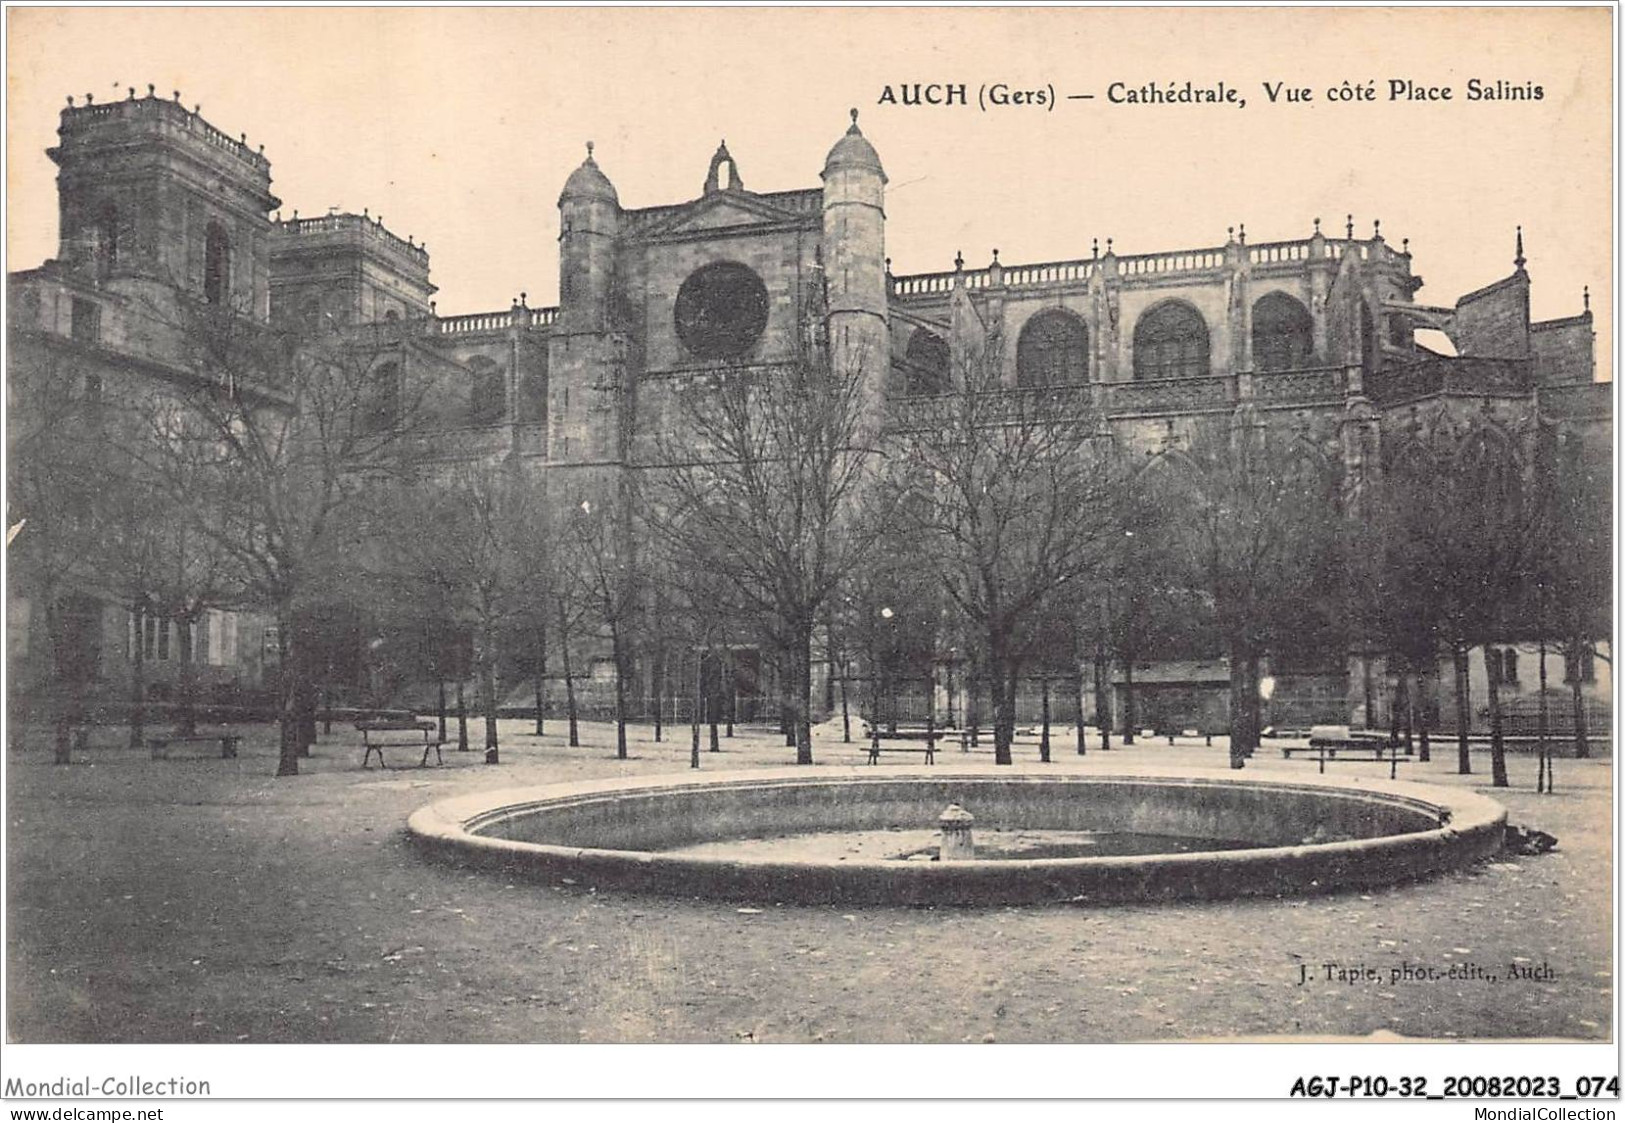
(496, 321)
(1130, 266)
(1578, 400)
(1170, 395)
(353, 226)
(1298, 387)
(1408, 381)
(1183, 261)
(156, 109)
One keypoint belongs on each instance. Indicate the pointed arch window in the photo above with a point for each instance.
(1053, 350)
(1171, 341)
(1283, 334)
(107, 240)
(216, 265)
(487, 392)
(926, 363)
(381, 400)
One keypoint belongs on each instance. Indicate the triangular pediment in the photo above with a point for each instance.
(722, 210)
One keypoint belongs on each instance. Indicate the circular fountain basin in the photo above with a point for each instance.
(1297, 835)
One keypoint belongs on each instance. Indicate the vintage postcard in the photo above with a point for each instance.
(1087, 528)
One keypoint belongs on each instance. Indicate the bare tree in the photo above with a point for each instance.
(294, 434)
(55, 492)
(598, 571)
(1010, 495)
(772, 501)
(459, 530)
(1462, 548)
(1255, 534)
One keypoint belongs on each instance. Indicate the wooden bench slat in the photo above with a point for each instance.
(228, 743)
(427, 740)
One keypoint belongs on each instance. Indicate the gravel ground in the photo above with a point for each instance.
(204, 901)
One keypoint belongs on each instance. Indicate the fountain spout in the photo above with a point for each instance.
(957, 845)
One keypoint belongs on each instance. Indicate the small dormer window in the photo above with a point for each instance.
(107, 247)
(216, 265)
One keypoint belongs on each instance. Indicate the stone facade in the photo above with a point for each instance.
(1317, 332)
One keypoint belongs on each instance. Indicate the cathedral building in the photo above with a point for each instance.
(1320, 328)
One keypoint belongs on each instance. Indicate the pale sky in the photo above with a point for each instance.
(459, 126)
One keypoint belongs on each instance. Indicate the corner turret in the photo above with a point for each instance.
(855, 256)
(589, 224)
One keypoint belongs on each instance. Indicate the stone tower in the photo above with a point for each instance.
(855, 257)
(585, 364)
(154, 200)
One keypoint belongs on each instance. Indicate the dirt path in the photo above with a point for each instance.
(202, 900)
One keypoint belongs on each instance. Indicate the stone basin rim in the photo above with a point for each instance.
(450, 824)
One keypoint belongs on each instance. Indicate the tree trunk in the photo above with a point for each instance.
(1043, 734)
(186, 681)
(288, 717)
(1464, 758)
(1369, 698)
(1582, 740)
(658, 674)
(1130, 718)
(1424, 704)
(569, 696)
(974, 670)
(462, 718)
(541, 678)
(440, 711)
(307, 711)
(931, 706)
(829, 662)
(1103, 695)
(712, 705)
(1238, 706)
(1405, 704)
(1498, 748)
(733, 692)
(801, 662)
(616, 650)
(846, 712)
(1543, 779)
(138, 681)
(1083, 746)
(488, 692)
(694, 717)
(1002, 671)
(1255, 703)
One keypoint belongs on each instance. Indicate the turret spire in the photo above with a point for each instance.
(1518, 261)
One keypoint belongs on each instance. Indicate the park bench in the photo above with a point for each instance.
(376, 736)
(903, 733)
(1207, 734)
(1327, 742)
(160, 745)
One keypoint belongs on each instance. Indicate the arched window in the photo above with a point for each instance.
(1490, 470)
(926, 363)
(1053, 350)
(107, 247)
(1283, 334)
(533, 391)
(216, 264)
(487, 392)
(1369, 346)
(381, 399)
(1170, 341)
